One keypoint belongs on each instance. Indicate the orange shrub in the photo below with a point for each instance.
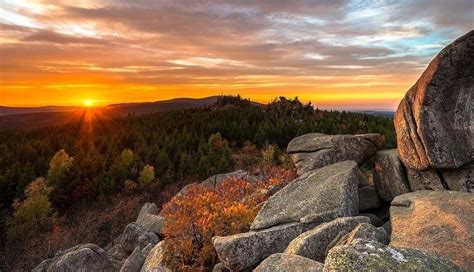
(195, 217)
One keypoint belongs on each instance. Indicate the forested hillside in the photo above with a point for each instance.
(95, 159)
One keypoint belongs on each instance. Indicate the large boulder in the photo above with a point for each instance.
(245, 250)
(424, 180)
(390, 177)
(373, 256)
(135, 235)
(134, 262)
(149, 220)
(156, 259)
(87, 257)
(434, 121)
(312, 244)
(288, 263)
(147, 208)
(363, 231)
(441, 222)
(461, 179)
(315, 150)
(331, 190)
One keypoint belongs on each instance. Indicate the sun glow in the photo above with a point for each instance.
(87, 103)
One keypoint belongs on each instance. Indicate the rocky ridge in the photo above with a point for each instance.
(421, 194)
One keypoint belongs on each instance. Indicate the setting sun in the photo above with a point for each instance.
(87, 103)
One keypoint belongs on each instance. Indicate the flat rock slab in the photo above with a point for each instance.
(288, 263)
(373, 256)
(315, 150)
(390, 177)
(434, 121)
(440, 222)
(312, 244)
(245, 250)
(331, 189)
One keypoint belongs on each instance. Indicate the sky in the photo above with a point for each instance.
(337, 54)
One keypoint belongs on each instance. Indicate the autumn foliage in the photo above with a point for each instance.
(203, 212)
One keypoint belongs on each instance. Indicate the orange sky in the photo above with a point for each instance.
(341, 54)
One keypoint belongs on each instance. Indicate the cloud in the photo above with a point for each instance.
(242, 44)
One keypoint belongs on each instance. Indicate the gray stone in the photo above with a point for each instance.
(87, 257)
(374, 219)
(135, 235)
(288, 263)
(134, 262)
(154, 223)
(117, 253)
(368, 198)
(424, 180)
(363, 231)
(312, 244)
(435, 120)
(245, 250)
(331, 190)
(147, 208)
(440, 222)
(155, 261)
(461, 179)
(388, 228)
(390, 178)
(315, 150)
(219, 267)
(373, 256)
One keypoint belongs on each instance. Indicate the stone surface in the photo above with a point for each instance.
(368, 198)
(390, 177)
(440, 222)
(373, 256)
(87, 257)
(134, 262)
(363, 231)
(461, 179)
(245, 250)
(135, 235)
(424, 180)
(288, 263)
(312, 244)
(219, 267)
(147, 208)
(315, 150)
(155, 261)
(435, 120)
(331, 189)
(154, 223)
(374, 219)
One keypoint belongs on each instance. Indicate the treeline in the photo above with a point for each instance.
(104, 157)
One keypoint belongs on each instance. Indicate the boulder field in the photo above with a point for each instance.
(416, 215)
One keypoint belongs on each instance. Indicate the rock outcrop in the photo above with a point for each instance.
(87, 257)
(331, 190)
(135, 235)
(440, 222)
(246, 250)
(288, 263)
(315, 150)
(390, 177)
(435, 120)
(373, 256)
(134, 262)
(312, 244)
